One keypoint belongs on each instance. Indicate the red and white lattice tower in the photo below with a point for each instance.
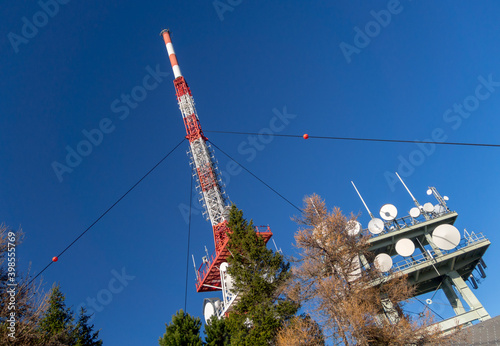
(209, 183)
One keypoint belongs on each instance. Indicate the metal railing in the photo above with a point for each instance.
(431, 254)
(204, 268)
(406, 221)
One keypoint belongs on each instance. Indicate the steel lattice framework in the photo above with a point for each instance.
(208, 179)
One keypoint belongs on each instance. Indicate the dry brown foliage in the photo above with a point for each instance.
(300, 331)
(344, 299)
(30, 303)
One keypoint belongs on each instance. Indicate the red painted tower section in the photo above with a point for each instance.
(209, 183)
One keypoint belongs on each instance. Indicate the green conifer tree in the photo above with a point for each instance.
(183, 330)
(259, 274)
(56, 326)
(217, 332)
(84, 334)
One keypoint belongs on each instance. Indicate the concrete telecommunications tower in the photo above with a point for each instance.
(212, 274)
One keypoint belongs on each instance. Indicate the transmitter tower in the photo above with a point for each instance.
(212, 274)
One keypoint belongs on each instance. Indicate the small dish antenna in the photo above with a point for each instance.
(353, 227)
(446, 198)
(376, 226)
(388, 212)
(228, 280)
(428, 207)
(210, 307)
(429, 192)
(405, 247)
(428, 301)
(446, 237)
(414, 212)
(439, 209)
(383, 262)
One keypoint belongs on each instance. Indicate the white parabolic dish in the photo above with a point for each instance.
(446, 237)
(405, 247)
(383, 262)
(353, 227)
(388, 212)
(439, 209)
(428, 207)
(414, 212)
(376, 226)
(209, 307)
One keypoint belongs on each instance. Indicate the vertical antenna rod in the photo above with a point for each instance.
(414, 199)
(362, 200)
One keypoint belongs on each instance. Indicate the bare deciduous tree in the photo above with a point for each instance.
(350, 299)
(30, 302)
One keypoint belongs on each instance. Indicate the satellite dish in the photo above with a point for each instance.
(414, 212)
(383, 262)
(429, 192)
(228, 280)
(388, 212)
(428, 301)
(223, 267)
(376, 226)
(446, 198)
(439, 209)
(356, 273)
(446, 237)
(210, 307)
(353, 227)
(405, 247)
(428, 207)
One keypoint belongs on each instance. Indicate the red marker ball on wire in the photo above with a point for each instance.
(55, 259)
(306, 136)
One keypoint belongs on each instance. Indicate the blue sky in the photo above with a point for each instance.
(428, 70)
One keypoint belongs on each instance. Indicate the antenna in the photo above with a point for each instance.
(446, 237)
(407, 189)
(376, 226)
(442, 200)
(383, 262)
(362, 200)
(194, 264)
(353, 227)
(279, 251)
(473, 281)
(388, 212)
(405, 247)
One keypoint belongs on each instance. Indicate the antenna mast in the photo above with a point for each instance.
(208, 181)
(407, 189)
(362, 200)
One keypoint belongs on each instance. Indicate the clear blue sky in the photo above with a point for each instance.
(407, 81)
